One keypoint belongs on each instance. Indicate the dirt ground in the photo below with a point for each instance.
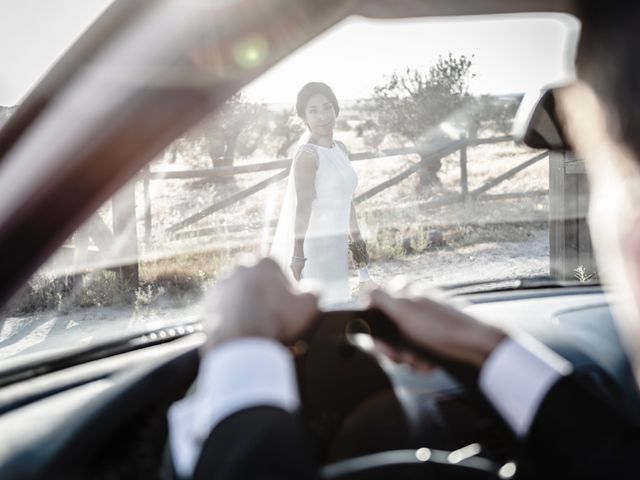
(482, 261)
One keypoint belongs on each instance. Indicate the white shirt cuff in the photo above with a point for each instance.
(517, 376)
(238, 374)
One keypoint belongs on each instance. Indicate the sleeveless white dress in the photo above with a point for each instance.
(326, 240)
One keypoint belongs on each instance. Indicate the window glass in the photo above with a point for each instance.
(441, 192)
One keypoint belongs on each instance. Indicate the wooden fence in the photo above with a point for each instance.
(124, 202)
(428, 154)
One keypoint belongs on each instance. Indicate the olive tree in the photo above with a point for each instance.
(489, 112)
(284, 132)
(236, 130)
(413, 104)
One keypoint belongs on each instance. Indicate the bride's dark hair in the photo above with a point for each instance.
(311, 89)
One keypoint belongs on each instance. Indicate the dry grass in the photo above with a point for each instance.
(67, 292)
(178, 279)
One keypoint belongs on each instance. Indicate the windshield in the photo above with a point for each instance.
(398, 162)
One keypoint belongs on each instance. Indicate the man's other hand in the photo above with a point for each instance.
(438, 327)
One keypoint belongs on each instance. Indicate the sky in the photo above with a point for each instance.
(510, 55)
(33, 36)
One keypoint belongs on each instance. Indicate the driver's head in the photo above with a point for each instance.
(602, 116)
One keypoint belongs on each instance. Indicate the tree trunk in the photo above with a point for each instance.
(429, 172)
(223, 158)
(216, 151)
(227, 158)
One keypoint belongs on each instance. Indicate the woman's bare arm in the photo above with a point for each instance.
(354, 229)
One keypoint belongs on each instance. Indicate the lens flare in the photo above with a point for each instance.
(251, 52)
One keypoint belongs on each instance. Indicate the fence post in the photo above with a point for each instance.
(464, 179)
(146, 173)
(80, 257)
(125, 234)
(569, 240)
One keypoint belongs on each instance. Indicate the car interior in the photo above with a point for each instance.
(100, 411)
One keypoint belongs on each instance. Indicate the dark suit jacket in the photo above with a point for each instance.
(577, 434)
(261, 443)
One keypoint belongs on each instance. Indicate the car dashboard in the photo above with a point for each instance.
(107, 418)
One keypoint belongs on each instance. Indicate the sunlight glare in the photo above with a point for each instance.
(251, 52)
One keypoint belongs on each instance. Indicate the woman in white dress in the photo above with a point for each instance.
(318, 217)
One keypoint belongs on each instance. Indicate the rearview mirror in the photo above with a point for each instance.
(536, 123)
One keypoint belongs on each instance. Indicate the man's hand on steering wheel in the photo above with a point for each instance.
(436, 327)
(257, 301)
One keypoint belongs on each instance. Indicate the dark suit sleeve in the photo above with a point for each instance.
(579, 433)
(262, 443)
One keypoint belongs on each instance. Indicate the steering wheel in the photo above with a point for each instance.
(355, 416)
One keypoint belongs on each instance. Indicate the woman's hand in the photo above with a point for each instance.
(359, 254)
(297, 265)
(438, 327)
(257, 301)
